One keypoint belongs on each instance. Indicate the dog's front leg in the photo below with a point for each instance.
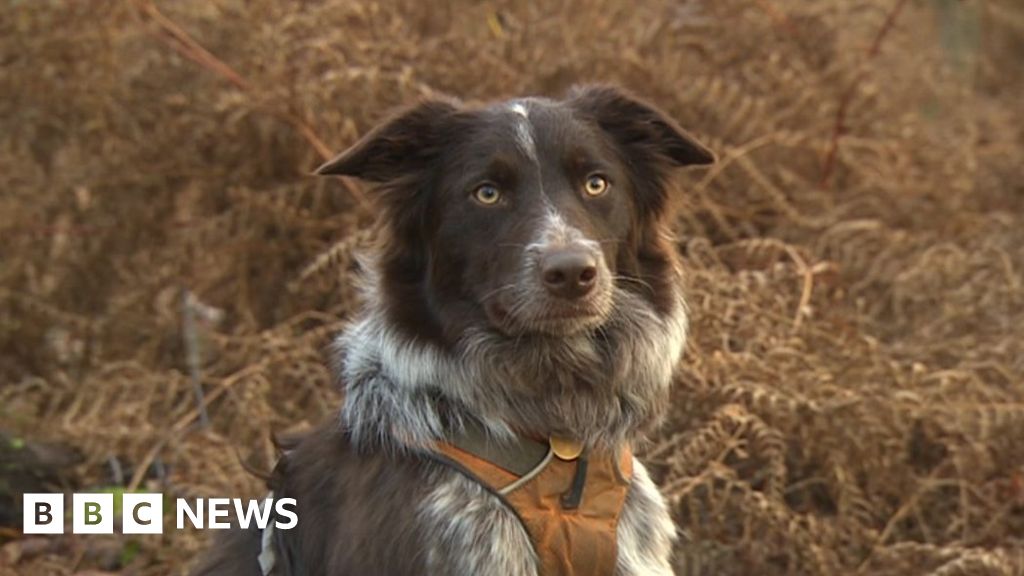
(470, 531)
(646, 531)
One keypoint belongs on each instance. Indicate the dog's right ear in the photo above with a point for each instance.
(404, 144)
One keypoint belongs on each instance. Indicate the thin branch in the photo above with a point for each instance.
(183, 43)
(187, 46)
(839, 126)
(778, 17)
(193, 353)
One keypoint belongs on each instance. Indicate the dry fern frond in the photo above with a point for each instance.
(338, 256)
(850, 400)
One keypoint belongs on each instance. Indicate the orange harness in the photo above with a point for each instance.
(568, 502)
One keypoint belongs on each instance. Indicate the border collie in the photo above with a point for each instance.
(523, 299)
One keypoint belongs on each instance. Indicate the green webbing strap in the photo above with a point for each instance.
(519, 456)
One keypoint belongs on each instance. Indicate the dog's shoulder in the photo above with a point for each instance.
(356, 507)
(356, 513)
(232, 553)
(365, 511)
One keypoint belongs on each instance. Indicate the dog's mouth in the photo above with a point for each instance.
(547, 316)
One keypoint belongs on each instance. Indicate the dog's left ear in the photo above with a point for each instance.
(639, 127)
(396, 148)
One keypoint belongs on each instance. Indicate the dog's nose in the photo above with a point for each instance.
(569, 273)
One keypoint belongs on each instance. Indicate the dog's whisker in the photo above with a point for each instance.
(643, 283)
(498, 290)
(603, 332)
(518, 306)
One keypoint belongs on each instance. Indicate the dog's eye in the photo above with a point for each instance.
(596, 185)
(487, 194)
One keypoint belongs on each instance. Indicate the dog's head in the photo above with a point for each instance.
(523, 217)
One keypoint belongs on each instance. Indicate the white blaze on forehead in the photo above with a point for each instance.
(524, 131)
(556, 230)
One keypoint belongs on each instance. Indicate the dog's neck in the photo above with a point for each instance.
(603, 388)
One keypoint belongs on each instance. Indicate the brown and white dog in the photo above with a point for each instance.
(524, 285)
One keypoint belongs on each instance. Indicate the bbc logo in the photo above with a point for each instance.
(93, 514)
(143, 513)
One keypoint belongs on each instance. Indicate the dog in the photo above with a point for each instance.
(522, 324)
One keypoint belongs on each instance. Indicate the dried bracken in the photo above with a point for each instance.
(852, 401)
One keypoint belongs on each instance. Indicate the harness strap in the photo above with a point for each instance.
(568, 501)
(519, 457)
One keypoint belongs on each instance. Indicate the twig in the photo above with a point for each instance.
(777, 16)
(189, 47)
(924, 486)
(116, 470)
(183, 423)
(143, 466)
(182, 42)
(839, 126)
(193, 355)
(807, 285)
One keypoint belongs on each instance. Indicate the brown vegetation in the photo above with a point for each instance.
(852, 401)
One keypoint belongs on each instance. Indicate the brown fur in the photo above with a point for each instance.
(347, 502)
